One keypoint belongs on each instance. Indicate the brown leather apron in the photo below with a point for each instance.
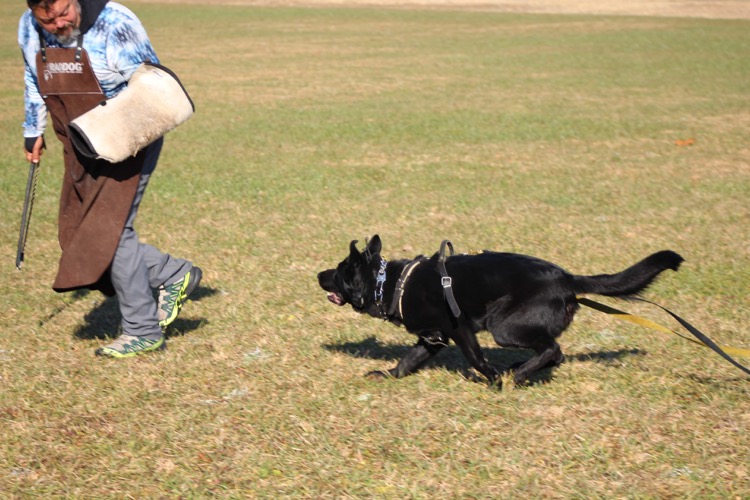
(96, 195)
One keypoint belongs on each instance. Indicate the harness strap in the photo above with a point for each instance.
(446, 280)
(703, 340)
(400, 285)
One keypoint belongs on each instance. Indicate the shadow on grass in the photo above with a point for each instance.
(103, 321)
(729, 383)
(451, 358)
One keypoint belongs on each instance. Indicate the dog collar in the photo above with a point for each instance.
(379, 282)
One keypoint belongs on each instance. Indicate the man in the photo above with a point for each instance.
(77, 53)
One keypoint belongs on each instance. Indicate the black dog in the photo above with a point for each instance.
(523, 301)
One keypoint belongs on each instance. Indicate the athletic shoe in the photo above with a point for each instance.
(172, 297)
(126, 346)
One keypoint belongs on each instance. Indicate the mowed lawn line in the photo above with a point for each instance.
(550, 135)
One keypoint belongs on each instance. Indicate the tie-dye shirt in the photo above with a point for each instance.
(117, 44)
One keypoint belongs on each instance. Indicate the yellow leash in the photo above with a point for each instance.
(703, 340)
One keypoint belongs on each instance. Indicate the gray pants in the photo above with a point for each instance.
(138, 267)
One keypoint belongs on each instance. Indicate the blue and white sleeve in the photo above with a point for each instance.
(128, 46)
(35, 111)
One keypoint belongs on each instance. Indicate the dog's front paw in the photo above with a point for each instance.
(496, 384)
(495, 380)
(471, 376)
(377, 375)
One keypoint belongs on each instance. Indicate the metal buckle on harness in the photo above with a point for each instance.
(446, 281)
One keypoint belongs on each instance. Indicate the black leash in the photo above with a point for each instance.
(702, 338)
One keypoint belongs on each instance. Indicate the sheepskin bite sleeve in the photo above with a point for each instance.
(153, 103)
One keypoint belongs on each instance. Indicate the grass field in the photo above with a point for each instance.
(587, 141)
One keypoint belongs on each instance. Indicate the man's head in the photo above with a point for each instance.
(62, 18)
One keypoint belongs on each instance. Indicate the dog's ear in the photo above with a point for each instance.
(373, 247)
(353, 252)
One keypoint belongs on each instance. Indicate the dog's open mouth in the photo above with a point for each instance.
(336, 298)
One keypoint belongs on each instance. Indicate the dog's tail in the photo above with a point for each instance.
(630, 281)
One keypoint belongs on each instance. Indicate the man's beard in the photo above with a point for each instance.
(75, 32)
(69, 38)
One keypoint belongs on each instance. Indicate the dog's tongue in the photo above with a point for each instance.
(335, 298)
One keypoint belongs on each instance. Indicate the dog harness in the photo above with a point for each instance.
(445, 281)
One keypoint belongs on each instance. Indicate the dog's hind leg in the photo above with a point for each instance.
(534, 326)
(417, 356)
(466, 340)
(545, 358)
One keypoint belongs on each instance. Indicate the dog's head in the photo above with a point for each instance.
(353, 280)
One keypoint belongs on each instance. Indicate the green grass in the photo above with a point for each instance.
(548, 135)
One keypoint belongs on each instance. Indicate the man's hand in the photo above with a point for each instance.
(33, 147)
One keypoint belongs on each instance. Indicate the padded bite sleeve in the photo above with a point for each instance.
(153, 103)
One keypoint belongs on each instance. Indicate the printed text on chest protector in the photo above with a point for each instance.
(62, 67)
